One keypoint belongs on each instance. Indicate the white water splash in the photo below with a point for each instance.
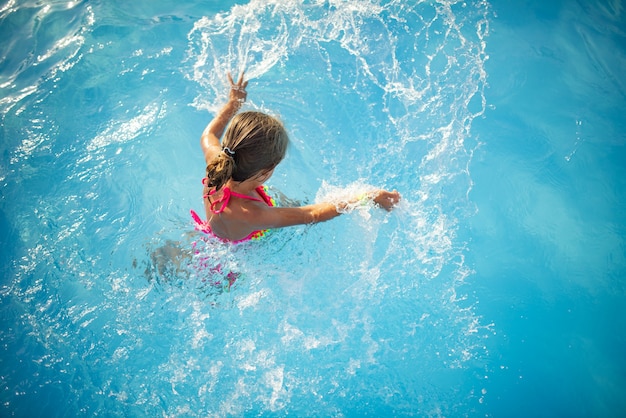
(415, 74)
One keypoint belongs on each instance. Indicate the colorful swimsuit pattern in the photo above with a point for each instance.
(220, 204)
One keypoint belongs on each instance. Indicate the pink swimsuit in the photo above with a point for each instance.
(220, 204)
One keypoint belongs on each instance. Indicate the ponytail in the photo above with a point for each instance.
(220, 170)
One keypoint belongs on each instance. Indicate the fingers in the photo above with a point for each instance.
(240, 81)
(387, 200)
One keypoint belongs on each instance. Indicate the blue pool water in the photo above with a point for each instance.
(496, 288)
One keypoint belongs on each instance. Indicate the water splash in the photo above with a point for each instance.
(403, 82)
(365, 313)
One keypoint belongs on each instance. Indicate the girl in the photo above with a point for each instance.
(236, 204)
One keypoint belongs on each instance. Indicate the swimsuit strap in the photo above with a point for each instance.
(262, 191)
(223, 201)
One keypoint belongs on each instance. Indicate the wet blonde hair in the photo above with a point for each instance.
(254, 142)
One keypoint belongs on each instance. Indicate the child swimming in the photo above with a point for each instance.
(236, 204)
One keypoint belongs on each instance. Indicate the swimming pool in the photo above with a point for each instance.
(496, 288)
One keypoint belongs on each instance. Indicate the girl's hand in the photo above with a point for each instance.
(237, 90)
(386, 200)
(210, 139)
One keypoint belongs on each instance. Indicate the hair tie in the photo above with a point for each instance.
(228, 152)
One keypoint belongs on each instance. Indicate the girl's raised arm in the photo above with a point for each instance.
(210, 139)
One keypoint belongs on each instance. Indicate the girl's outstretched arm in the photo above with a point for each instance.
(210, 140)
(272, 217)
